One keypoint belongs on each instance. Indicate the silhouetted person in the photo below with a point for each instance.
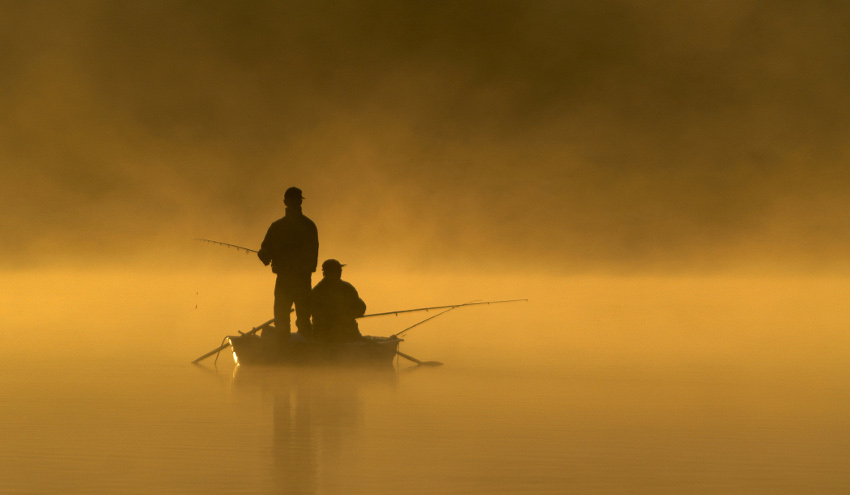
(336, 304)
(292, 247)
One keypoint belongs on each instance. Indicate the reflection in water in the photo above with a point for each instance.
(615, 386)
(316, 416)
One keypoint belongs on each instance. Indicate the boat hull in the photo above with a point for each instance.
(371, 351)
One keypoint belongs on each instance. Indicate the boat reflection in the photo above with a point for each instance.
(316, 415)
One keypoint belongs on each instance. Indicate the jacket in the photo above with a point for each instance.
(291, 244)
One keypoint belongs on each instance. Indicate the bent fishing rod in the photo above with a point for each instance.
(227, 244)
(411, 327)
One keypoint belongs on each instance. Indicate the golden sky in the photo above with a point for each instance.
(548, 135)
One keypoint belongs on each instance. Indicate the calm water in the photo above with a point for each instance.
(750, 414)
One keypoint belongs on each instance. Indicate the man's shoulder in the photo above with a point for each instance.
(300, 220)
(275, 230)
(321, 285)
(347, 285)
(306, 221)
(277, 223)
(293, 220)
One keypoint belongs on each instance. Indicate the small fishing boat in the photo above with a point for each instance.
(370, 351)
(248, 348)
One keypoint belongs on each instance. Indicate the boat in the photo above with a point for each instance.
(250, 349)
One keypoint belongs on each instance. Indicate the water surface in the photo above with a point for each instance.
(684, 388)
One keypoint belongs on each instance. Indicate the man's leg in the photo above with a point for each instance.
(301, 297)
(282, 306)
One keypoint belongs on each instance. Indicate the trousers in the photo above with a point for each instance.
(292, 289)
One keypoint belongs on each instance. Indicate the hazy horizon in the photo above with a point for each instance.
(571, 137)
(666, 182)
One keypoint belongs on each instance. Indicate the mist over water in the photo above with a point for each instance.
(666, 184)
(642, 384)
(611, 135)
(727, 319)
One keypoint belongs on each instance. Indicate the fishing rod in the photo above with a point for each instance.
(451, 306)
(436, 363)
(226, 244)
(396, 335)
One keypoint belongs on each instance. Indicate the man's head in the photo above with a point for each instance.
(293, 197)
(332, 269)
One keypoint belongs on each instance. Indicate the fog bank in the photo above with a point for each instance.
(574, 136)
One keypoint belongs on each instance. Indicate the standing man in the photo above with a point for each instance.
(336, 304)
(292, 247)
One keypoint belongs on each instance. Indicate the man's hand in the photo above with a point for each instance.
(263, 258)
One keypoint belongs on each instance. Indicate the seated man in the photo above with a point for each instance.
(335, 305)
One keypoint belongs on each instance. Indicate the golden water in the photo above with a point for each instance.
(596, 385)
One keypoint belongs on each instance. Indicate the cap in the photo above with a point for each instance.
(332, 264)
(293, 192)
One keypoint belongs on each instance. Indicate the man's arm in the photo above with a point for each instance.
(358, 306)
(266, 248)
(313, 246)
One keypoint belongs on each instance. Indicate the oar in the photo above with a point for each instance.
(420, 363)
(224, 346)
